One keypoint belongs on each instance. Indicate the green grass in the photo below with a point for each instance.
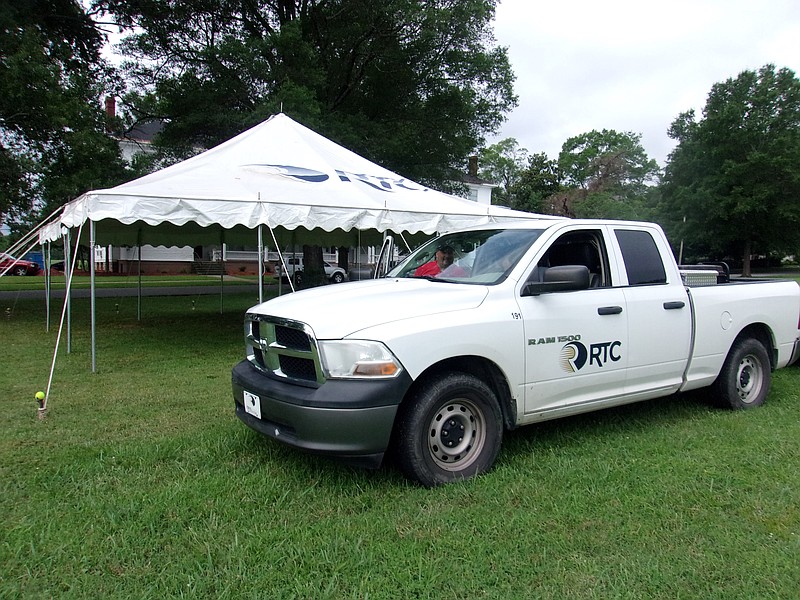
(141, 483)
(12, 284)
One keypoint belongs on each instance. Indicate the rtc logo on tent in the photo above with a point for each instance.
(384, 184)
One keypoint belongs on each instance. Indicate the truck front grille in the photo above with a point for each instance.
(283, 349)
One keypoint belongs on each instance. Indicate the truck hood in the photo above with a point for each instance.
(338, 311)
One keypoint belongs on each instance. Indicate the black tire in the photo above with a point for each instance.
(298, 278)
(450, 429)
(337, 277)
(20, 270)
(746, 376)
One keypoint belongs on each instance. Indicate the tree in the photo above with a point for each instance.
(524, 181)
(735, 173)
(606, 175)
(501, 164)
(53, 144)
(537, 185)
(412, 85)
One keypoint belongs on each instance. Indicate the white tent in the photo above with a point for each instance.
(279, 174)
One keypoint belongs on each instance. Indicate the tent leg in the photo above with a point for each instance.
(139, 276)
(47, 284)
(281, 263)
(68, 264)
(93, 294)
(222, 271)
(260, 265)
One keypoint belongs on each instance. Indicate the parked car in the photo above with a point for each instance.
(17, 266)
(294, 266)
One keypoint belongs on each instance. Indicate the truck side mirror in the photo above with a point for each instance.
(566, 278)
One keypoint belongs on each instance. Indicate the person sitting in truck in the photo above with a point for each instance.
(442, 260)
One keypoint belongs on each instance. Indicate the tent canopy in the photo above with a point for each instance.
(280, 174)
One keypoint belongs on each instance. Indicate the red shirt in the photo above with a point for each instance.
(429, 269)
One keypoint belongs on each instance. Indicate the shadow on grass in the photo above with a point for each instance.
(299, 467)
(642, 427)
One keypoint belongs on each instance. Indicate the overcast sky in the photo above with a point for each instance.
(632, 65)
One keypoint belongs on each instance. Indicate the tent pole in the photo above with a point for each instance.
(282, 267)
(260, 265)
(47, 284)
(68, 272)
(139, 276)
(222, 270)
(293, 260)
(93, 294)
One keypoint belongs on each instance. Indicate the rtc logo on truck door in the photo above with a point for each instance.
(574, 355)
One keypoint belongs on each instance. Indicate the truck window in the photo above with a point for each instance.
(483, 257)
(642, 260)
(583, 247)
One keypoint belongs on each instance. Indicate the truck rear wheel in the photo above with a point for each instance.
(450, 429)
(746, 375)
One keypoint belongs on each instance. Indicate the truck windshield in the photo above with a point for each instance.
(485, 257)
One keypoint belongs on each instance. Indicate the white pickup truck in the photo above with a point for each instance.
(519, 323)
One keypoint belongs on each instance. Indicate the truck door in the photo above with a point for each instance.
(576, 341)
(659, 315)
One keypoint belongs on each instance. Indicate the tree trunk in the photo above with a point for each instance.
(313, 269)
(746, 270)
(344, 258)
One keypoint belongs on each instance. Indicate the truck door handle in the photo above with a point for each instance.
(609, 310)
(674, 305)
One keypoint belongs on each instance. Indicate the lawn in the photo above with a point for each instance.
(13, 284)
(141, 483)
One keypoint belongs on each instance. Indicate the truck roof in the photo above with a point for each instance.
(557, 222)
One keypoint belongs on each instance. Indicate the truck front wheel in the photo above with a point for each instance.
(745, 377)
(450, 429)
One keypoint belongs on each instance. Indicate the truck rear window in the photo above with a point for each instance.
(641, 256)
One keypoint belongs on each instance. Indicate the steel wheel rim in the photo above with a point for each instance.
(749, 379)
(456, 435)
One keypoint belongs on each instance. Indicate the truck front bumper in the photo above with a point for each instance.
(348, 419)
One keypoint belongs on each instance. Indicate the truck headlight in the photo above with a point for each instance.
(357, 359)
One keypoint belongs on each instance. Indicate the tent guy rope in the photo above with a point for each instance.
(42, 412)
